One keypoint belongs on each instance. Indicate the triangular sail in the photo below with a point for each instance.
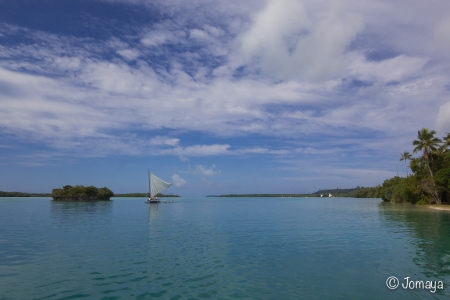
(156, 185)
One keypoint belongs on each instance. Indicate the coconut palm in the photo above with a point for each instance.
(446, 141)
(428, 143)
(405, 156)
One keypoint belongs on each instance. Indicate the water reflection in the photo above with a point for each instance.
(78, 212)
(152, 211)
(430, 233)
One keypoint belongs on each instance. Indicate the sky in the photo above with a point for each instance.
(218, 97)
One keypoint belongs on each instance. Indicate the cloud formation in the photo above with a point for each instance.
(287, 41)
(178, 181)
(202, 170)
(277, 78)
(164, 140)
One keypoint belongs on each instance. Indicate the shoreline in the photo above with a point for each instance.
(439, 207)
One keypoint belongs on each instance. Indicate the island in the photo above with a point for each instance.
(325, 193)
(22, 194)
(429, 179)
(81, 193)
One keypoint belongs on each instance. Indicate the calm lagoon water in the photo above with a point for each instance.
(218, 248)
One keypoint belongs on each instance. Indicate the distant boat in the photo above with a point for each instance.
(329, 196)
(155, 186)
(321, 195)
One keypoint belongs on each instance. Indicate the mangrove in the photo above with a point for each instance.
(81, 193)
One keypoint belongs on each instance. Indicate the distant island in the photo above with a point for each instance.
(335, 192)
(20, 194)
(145, 195)
(262, 195)
(81, 193)
(130, 195)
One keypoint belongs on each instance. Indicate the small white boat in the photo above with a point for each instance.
(155, 186)
(329, 196)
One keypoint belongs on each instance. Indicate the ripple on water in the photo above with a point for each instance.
(219, 249)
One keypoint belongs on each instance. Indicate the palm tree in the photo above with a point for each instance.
(405, 156)
(428, 143)
(446, 142)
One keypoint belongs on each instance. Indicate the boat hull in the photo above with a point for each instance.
(153, 201)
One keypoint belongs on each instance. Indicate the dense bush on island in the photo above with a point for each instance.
(368, 192)
(429, 182)
(81, 193)
(145, 195)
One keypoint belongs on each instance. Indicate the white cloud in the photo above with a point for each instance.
(68, 63)
(289, 43)
(33, 106)
(155, 38)
(441, 42)
(178, 181)
(117, 43)
(118, 78)
(197, 150)
(68, 93)
(393, 69)
(164, 140)
(443, 118)
(129, 54)
(198, 34)
(203, 170)
(214, 31)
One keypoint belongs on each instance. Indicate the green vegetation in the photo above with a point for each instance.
(145, 195)
(81, 193)
(429, 182)
(20, 194)
(368, 192)
(406, 156)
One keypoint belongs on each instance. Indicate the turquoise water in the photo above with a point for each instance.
(217, 248)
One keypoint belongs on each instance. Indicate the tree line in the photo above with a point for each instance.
(429, 181)
(20, 194)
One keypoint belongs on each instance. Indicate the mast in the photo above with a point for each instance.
(149, 193)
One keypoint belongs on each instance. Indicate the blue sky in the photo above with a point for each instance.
(277, 96)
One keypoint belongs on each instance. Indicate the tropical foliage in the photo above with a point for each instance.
(368, 192)
(405, 156)
(81, 193)
(430, 179)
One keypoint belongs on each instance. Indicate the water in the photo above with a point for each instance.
(217, 248)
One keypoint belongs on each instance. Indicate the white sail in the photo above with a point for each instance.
(156, 185)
